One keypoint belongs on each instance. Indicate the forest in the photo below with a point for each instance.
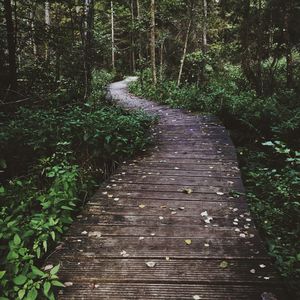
(60, 136)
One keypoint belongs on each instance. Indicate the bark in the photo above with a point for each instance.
(184, 52)
(132, 38)
(138, 11)
(161, 59)
(33, 44)
(288, 50)
(47, 23)
(204, 26)
(152, 42)
(112, 36)
(11, 44)
(88, 44)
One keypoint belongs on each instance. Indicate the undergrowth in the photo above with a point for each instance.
(52, 159)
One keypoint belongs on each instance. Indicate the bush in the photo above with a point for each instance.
(52, 159)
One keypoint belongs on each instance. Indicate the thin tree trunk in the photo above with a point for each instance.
(48, 23)
(33, 44)
(288, 51)
(11, 45)
(112, 36)
(88, 54)
(152, 42)
(184, 52)
(161, 60)
(133, 62)
(138, 11)
(204, 26)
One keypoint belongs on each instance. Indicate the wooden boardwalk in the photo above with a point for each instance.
(169, 225)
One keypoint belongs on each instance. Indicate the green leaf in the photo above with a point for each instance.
(46, 288)
(2, 273)
(269, 143)
(32, 295)
(298, 256)
(21, 293)
(57, 283)
(20, 279)
(54, 270)
(37, 271)
(17, 239)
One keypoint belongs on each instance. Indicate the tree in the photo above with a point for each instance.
(11, 45)
(153, 42)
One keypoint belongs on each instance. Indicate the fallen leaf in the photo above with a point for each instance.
(116, 199)
(188, 242)
(196, 297)
(142, 206)
(252, 271)
(141, 238)
(124, 253)
(48, 267)
(96, 234)
(187, 191)
(262, 266)
(151, 264)
(167, 258)
(161, 217)
(224, 264)
(84, 232)
(204, 214)
(68, 283)
(220, 193)
(181, 208)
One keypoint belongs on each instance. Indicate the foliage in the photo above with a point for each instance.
(273, 193)
(61, 155)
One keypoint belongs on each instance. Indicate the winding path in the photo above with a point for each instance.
(169, 225)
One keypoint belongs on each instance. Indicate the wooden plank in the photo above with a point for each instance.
(160, 247)
(169, 271)
(141, 291)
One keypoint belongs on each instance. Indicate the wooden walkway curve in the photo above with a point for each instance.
(169, 225)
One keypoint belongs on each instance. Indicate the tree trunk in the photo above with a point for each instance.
(112, 35)
(10, 30)
(88, 44)
(161, 60)
(152, 42)
(204, 26)
(132, 38)
(33, 44)
(184, 52)
(47, 23)
(138, 11)
(288, 51)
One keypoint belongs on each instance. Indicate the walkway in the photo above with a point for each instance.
(170, 224)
